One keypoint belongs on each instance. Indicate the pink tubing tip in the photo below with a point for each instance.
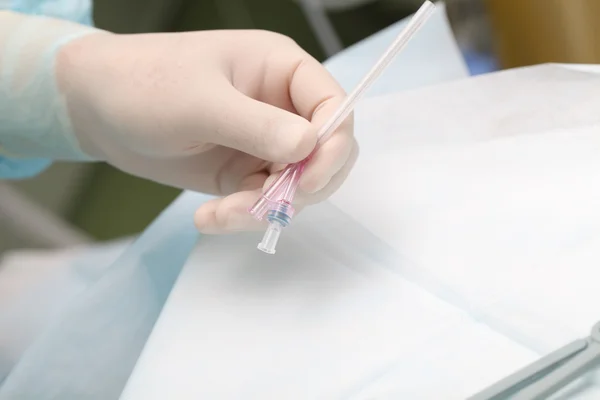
(255, 214)
(260, 208)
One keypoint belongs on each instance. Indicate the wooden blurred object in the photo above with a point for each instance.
(528, 32)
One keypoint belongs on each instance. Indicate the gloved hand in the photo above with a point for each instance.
(217, 111)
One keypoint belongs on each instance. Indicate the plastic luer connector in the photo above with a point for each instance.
(279, 217)
(276, 202)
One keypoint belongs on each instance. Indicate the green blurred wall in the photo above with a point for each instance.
(115, 204)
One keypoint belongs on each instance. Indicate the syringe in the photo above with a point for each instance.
(276, 202)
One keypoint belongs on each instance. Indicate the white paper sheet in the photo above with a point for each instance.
(491, 186)
(492, 212)
(319, 320)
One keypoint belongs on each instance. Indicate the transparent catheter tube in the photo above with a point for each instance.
(280, 213)
(276, 202)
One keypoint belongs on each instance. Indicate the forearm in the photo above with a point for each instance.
(34, 122)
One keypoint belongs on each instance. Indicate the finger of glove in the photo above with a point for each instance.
(333, 184)
(228, 214)
(316, 95)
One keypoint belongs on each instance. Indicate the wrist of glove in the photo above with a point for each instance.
(34, 120)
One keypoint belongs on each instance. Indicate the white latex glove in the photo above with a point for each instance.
(217, 111)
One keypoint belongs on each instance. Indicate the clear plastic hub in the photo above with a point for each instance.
(279, 217)
(269, 241)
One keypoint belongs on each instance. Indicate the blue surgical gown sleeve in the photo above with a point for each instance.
(13, 168)
(25, 166)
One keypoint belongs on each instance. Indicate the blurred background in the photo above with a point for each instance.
(79, 203)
